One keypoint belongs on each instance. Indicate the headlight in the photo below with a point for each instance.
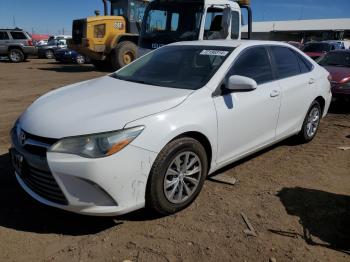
(97, 145)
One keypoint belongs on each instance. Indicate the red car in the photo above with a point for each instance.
(338, 65)
(317, 49)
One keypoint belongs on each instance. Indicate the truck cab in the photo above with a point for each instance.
(168, 21)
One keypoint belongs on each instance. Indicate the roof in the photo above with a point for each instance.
(300, 25)
(229, 43)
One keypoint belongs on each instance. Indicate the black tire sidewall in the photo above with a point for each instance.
(155, 196)
(303, 134)
(117, 55)
(19, 52)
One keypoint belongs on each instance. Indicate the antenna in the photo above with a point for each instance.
(14, 22)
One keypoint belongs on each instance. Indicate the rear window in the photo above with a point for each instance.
(286, 62)
(18, 35)
(4, 36)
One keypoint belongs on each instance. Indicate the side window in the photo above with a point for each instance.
(235, 25)
(156, 21)
(286, 62)
(213, 24)
(253, 63)
(18, 36)
(305, 66)
(4, 36)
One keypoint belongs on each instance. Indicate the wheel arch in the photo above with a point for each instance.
(322, 103)
(15, 47)
(202, 139)
(125, 37)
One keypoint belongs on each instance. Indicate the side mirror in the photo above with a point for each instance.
(241, 83)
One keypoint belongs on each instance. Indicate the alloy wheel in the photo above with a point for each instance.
(182, 177)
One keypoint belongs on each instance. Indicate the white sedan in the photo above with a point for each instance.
(149, 134)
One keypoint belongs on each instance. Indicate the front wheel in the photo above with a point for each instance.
(16, 55)
(177, 176)
(123, 54)
(311, 123)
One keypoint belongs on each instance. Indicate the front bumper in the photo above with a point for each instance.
(64, 58)
(108, 186)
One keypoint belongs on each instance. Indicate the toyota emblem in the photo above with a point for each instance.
(22, 138)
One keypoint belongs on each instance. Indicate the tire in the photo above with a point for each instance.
(123, 54)
(16, 55)
(80, 59)
(166, 199)
(311, 123)
(49, 54)
(102, 65)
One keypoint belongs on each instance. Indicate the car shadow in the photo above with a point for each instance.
(69, 68)
(339, 107)
(324, 216)
(20, 212)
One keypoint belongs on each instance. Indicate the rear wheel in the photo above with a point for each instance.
(177, 176)
(49, 54)
(311, 123)
(16, 55)
(124, 54)
(80, 60)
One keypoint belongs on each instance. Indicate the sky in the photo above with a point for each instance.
(54, 17)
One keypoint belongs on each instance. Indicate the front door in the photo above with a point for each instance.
(248, 120)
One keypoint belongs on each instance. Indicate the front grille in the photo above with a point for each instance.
(78, 31)
(40, 145)
(34, 169)
(42, 183)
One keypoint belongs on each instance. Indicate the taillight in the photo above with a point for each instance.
(30, 42)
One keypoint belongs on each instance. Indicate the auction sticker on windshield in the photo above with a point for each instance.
(214, 52)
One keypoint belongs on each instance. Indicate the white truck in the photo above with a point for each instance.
(168, 21)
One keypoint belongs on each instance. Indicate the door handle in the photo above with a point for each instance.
(311, 81)
(274, 93)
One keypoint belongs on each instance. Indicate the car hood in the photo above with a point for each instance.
(339, 74)
(99, 105)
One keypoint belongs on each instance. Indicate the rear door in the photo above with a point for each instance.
(295, 78)
(4, 40)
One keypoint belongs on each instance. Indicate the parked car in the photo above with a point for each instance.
(16, 44)
(48, 51)
(337, 63)
(149, 134)
(317, 49)
(70, 56)
(296, 44)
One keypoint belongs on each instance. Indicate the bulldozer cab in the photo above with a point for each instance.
(133, 12)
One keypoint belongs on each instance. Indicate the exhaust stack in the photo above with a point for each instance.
(105, 6)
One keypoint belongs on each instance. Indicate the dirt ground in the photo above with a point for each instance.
(297, 197)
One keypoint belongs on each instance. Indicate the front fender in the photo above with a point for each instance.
(196, 114)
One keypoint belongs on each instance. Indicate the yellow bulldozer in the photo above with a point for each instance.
(110, 41)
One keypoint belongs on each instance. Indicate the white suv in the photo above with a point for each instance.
(149, 134)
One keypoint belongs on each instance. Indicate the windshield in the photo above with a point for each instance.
(341, 59)
(136, 9)
(317, 48)
(185, 67)
(168, 23)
